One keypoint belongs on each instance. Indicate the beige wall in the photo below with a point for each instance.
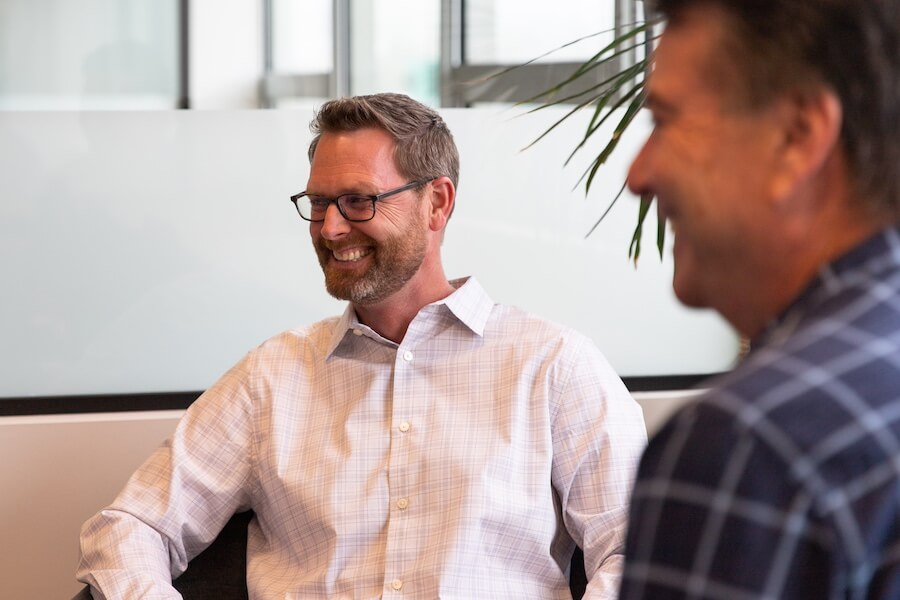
(57, 471)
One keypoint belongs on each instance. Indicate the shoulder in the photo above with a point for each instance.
(315, 337)
(779, 424)
(726, 434)
(580, 381)
(696, 443)
(511, 323)
(507, 325)
(564, 352)
(712, 490)
(286, 352)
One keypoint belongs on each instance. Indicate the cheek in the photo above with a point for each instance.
(389, 220)
(671, 159)
(400, 219)
(721, 177)
(315, 234)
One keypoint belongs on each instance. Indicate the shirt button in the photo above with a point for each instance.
(357, 332)
(407, 356)
(402, 503)
(396, 584)
(404, 426)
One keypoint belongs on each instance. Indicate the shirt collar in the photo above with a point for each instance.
(470, 304)
(831, 279)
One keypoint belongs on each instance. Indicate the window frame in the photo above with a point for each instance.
(456, 88)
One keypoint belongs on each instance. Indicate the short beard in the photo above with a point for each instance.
(394, 262)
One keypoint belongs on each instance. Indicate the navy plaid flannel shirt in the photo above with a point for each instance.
(783, 481)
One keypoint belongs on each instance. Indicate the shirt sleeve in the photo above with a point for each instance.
(177, 501)
(716, 514)
(599, 434)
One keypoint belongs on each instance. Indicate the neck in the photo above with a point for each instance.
(391, 317)
(824, 241)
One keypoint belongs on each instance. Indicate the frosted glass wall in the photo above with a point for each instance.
(89, 54)
(148, 251)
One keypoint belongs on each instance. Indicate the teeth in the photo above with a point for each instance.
(351, 255)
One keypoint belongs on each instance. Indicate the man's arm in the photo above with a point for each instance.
(716, 514)
(123, 557)
(177, 501)
(599, 434)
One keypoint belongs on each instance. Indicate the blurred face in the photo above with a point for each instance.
(365, 262)
(709, 163)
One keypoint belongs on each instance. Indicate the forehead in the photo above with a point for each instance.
(366, 145)
(347, 158)
(689, 59)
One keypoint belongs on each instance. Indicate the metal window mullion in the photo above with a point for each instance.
(268, 37)
(340, 79)
(458, 80)
(451, 51)
(265, 96)
(184, 55)
(625, 17)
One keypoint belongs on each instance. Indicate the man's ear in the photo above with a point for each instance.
(443, 197)
(810, 129)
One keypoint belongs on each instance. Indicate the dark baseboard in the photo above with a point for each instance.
(94, 403)
(659, 383)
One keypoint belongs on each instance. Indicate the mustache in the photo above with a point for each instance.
(332, 245)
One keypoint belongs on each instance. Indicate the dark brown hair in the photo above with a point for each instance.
(851, 47)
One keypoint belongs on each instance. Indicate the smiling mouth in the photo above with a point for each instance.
(352, 255)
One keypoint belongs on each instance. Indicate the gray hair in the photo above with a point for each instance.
(424, 145)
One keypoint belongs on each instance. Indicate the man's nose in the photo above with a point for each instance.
(334, 225)
(639, 173)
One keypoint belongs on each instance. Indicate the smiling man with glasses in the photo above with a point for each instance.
(428, 443)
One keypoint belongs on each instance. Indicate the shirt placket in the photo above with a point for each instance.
(407, 426)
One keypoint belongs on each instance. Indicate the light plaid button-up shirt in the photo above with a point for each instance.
(465, 462)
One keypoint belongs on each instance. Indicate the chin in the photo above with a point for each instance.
(690, 300)
(344, 288)
(688, 290)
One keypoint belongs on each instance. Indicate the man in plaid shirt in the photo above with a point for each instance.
(775, 157)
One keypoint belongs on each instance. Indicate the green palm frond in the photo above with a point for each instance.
(622, 89)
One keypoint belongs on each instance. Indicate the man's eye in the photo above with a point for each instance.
(318, 203)
(356, 201)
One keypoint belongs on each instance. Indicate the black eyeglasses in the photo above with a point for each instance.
(353, 207)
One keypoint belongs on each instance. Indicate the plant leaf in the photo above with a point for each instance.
(601, 158)
(580, 72)
(544, 55)
(625, 87)
(634, 249)
(615, 83)
(606, 212)
(660, 233)
(597, 120)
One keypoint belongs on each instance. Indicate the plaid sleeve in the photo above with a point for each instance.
(716, 515)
